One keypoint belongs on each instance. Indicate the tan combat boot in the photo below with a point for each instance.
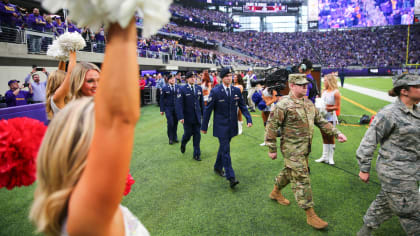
(276, 195)
(313, 220)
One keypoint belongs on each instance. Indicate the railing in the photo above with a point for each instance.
(12, 35)
(38, 42)
(149, 95)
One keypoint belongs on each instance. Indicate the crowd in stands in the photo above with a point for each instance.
(350, 13)
(362, 47)
(156, 46)
(201, 15)
(14, 19)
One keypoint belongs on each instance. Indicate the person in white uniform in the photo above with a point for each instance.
(331, 98)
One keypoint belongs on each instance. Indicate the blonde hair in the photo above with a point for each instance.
(48, 19)
(54, 81)
(332, 81)
(60, 162)
(77, 78)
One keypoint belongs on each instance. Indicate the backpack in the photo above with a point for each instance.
(314, 90)
(365, 119)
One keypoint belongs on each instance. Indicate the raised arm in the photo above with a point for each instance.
(93, 206)
(64, 88)
(62, 65)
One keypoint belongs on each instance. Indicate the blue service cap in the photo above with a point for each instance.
(225, 71)
(189, 74)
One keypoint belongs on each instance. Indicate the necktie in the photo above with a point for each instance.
(228, 92)
(173, 93)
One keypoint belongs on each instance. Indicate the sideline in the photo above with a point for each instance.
(359, 105)
(370, 92)
(353, 125)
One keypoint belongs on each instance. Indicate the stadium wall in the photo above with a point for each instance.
(16, 63)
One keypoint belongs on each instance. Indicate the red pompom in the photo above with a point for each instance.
(130, 181)
(20, 139)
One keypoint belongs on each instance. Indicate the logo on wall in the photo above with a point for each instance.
(313, 24)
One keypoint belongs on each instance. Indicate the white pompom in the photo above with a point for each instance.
(156, 15)
(56, 51)
(71, 41)
(61, 47)
(54, 5)
(95, 14)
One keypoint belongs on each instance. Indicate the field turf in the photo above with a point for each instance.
(175, 195)
(379, 83)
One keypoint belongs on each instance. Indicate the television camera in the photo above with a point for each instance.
(273, 78)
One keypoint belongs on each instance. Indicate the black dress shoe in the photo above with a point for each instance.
(220, 172)
(182, 148)
(171, 142)
(233, 182)
(197, 158)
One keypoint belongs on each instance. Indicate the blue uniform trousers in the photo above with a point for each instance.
(172, 122)
(192, 130)
(223, 158)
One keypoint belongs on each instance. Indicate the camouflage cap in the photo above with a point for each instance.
(298, 79)
(405, 79)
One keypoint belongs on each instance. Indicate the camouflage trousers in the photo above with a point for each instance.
(301, 184)
(401, 199)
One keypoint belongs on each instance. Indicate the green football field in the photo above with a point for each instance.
(381, 83)
(175, 195)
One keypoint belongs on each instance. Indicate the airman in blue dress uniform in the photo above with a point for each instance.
(225, 99)
(167, 106)
(189, 110)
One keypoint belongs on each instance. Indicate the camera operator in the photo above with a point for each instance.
(38, 87)
(16, 96)
(305, 68)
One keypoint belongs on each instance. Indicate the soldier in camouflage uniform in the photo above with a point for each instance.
(296, 116)
(397, 128)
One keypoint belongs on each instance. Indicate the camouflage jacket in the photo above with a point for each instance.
(397, 129)
(296, 119)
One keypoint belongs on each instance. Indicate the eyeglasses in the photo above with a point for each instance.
(302, 85)
(415, 86)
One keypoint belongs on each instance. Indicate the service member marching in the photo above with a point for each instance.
(295, 116)
(167, 106)
(397, 128)
(225, 99)
(189, 109)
